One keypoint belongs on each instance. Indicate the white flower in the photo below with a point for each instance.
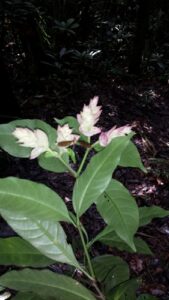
(5, 296)
(89, 117)
(65, 137)
(36, 139)
(106, 137)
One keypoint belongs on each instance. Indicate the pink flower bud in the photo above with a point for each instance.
(106, 137)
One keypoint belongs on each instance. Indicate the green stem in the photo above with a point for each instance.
(100, 295)
(74, 174)
(86, 273)
(68, 167)
(84, 159)
(85, 250)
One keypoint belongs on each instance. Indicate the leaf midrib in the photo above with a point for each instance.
(54, 241)
(44, 204)
(118, 211)
(48, 285)
(93, 175)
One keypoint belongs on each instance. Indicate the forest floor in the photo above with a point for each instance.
(144, 104)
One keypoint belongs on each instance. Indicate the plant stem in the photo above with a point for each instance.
(83, 161)
(85, 250)
(85, 273)
(68, 167)
(100, 295)
(84, 158)
(74, 174)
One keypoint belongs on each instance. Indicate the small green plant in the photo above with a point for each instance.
(35, 211)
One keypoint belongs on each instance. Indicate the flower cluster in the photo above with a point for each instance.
(87, 119)
(36, 139)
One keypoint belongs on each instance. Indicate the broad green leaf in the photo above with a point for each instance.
(18, 252)
(149, 213)
(9, 143)
(119, 210)
(131, 158)
(125, 291)
(46, 236)
(32, 199)
(27, 296)
(110, 270)
(1, 288)
(108, 237)
(71, 121)
(54, 164)
(95, 179)
(146, 297)
(46, 284)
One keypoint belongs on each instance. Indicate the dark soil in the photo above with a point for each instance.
(144, 104)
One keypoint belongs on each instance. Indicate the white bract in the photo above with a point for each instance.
(106, 137)
(64, 134)
(89, 117)
(36, 139)
(5, 296)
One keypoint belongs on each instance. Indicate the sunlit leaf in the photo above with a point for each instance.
(18, 252)
(32, 199)
(51, 163)
(46, 236)
(95, 179)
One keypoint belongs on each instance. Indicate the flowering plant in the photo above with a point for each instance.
(35, 211)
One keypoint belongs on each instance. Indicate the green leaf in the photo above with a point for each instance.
(110, 270)
(1, 288)
(9, 143)
(108, 237)
(146, 297)
(131, 158)
(32, 199)
(149, 213)
(71, 121)
(46, 284)
(125, 291)
(27, 296)
(46, 236)
(54, 164)
(95, 179)
(142, 247)
(119, 210)
(72, 155)
(16, 251)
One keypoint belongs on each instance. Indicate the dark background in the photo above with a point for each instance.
(55, 55)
